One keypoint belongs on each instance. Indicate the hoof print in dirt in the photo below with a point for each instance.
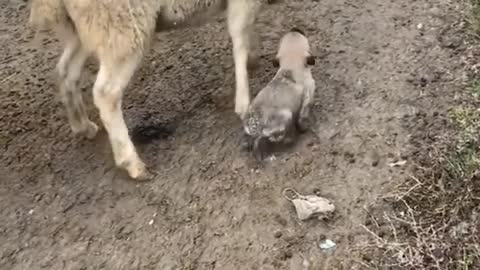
(148, 133)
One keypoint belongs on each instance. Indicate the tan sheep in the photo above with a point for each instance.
(118, 33)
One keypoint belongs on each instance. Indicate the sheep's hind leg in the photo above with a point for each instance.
(112, 79)
(69, 68)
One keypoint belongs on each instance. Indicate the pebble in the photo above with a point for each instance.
(327, 244)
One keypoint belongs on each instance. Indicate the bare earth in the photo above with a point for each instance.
(380, 64)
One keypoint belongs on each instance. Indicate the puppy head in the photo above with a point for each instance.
(294, 51)
(276, 124)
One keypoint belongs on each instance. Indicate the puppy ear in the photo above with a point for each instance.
(275, 62)
(311, 60)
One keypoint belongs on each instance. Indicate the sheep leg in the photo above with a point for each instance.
(112, 79)
(69, 68)
(258, 149)
(247, 142)
(241, 17)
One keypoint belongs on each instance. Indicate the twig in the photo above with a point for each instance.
(8, 78)
(374, 234)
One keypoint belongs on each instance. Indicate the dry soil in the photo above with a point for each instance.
(380, 64)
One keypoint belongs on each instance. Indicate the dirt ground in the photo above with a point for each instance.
(380, 65)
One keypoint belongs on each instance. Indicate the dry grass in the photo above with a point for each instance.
(475, 21)
(432, 220)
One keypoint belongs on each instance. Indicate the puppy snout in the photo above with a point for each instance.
(277, 136)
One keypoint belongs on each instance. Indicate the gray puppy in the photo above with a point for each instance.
(285, 102)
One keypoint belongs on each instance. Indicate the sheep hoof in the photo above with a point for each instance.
(259, 155)
(241, 107)
(303, 125)
(247, 143)
(259, 145)
(145, 176)
(91, 131)
(140, 173)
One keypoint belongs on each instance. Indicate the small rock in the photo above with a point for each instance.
(272, 158)
(285, 255)
(322, 237)
(420, 26)
(349, 157)
(423, 81)
(238, 164)
(451, 42)
(280, 220)
(277, 234)
(435, 11)
(327, 244)
(398, 163)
